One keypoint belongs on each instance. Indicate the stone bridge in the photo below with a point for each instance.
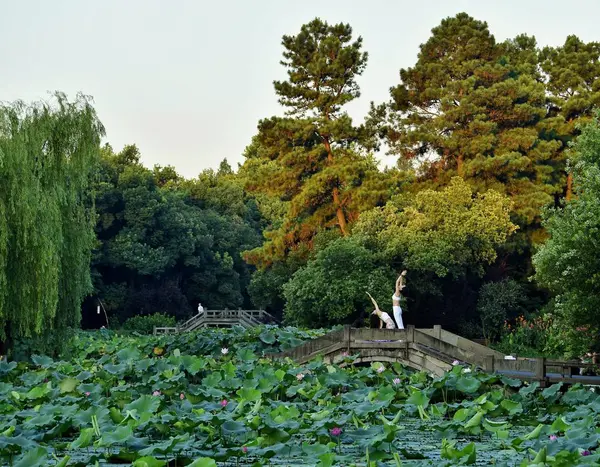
(434, 350)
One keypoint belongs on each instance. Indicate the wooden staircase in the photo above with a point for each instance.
(220, 319)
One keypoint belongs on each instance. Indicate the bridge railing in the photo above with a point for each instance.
(312, 348)
(247, 318)
(165, 330)
(445, 344)
(460, 342)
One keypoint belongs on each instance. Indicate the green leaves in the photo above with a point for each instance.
(38, 392)
(68, 385)
(37, 457)
(418, 398)
(249, 394)
(144, 404)
(48, 152)
(118, 435)
(149, 461)
(267, 337)
(85, 439)
(203, 462)
(468, 384)
(465, 456)
(512, 407)
(271, 414)
(231, 428)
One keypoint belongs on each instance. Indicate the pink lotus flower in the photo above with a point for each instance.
(455, 362)
(586, 453)
(345, 354)
(553, 437)
(380, 369)
(182, 396)
(396, 381)
(224, 403)
(87, 394)
(299, 376)
(337, 431)
(244, 449)
(156, 393)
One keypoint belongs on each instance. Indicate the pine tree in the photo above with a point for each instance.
(474, 108)
(572, 74)
(313, 159)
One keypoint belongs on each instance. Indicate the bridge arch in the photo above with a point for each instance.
(410, 357)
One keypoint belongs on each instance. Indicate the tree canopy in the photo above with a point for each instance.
(168, 244)
(489, 138)
(568, 263)
(468, 107)
(313, 159)
(47, 153)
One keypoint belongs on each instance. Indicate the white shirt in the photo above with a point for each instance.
(389, 322)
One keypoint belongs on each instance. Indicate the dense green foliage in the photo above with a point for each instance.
(569, 262)
(145, 324)
(333, 284)
(47, 152)
(309, 222)
(167, 244)
(470, 102)
(148, 401)
(498, 302)
(312, 158)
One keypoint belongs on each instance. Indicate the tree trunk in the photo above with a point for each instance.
(569, 194)
(459, 166)
(341, 216)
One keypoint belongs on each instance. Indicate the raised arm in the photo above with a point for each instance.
(374, 302)
(400, 283)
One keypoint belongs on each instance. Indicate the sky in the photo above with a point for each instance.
(188, 80)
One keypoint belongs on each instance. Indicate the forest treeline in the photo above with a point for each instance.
(496, 147)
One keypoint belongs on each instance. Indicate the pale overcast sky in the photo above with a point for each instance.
(187, 81)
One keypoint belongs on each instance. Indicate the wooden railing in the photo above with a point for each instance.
(362, 338)
(546, 371)
(443, 346)
(246, 318)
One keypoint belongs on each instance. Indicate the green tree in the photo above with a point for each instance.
(572, 77)
(166, 243)
(473, 107)
(445, 239)
(446, 232)
(331, 288)
(47, 152)
(569, 262)
(499, 301)
(313, 158)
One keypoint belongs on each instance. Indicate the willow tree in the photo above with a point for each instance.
(313, 159)
(47, 152)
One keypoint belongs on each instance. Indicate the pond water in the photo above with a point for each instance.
(417, 443)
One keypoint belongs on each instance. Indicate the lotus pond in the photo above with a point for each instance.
(211, 398)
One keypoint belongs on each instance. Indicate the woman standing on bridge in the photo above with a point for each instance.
(382, 315)
(396, 300)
